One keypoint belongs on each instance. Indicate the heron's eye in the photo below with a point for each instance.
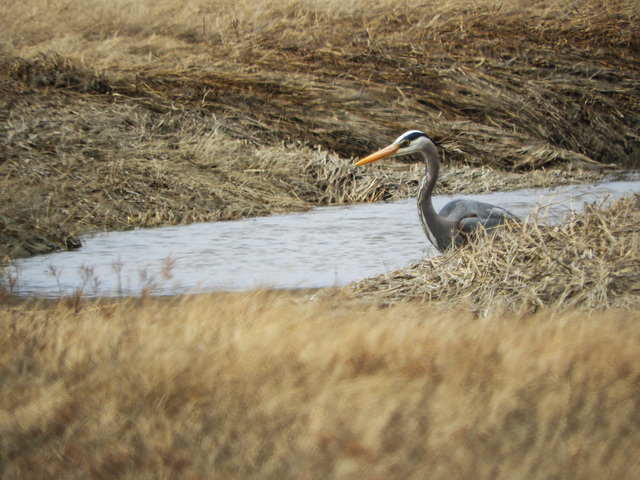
(406, 143)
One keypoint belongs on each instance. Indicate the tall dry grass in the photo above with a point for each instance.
(266, 385)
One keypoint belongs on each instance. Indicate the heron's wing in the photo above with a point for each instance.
(469, 215)
(463, 208)
(470, 225)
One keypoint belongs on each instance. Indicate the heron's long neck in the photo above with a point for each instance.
(437, 229)
(432, 169)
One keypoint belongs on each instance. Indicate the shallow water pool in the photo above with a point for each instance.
(329, 246)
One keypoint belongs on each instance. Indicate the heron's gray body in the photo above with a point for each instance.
(459, 219)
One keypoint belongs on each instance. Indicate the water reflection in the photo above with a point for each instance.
(324, 247)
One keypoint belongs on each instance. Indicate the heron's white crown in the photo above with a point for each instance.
(410, 135)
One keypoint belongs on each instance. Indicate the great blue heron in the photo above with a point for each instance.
(457, 219)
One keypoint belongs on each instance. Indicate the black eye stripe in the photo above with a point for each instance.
(414, 135)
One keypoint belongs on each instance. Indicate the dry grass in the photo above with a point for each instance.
(590, 261)
(511, 83)
(132, 113)
(266, 385)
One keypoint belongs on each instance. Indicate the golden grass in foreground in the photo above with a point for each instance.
(263, 385)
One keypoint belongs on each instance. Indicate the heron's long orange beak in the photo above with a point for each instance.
(379, 155)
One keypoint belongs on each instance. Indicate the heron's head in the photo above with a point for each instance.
(409, 142)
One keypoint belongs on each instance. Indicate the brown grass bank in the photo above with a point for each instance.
(266, 385)
(590, 261)
(127, 114)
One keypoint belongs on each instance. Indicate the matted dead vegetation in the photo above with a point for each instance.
(590, 261)
(103, 103)
(266, 386)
